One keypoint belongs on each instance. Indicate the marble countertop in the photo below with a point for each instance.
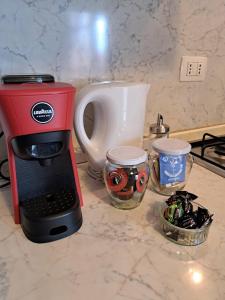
(116, 255)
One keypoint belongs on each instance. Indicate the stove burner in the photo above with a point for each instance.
(214, 154)
(210, 153)
(220, 150)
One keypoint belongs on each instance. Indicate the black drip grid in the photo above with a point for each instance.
(49, 204)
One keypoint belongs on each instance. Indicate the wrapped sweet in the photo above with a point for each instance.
(183, 220)
(180, 211)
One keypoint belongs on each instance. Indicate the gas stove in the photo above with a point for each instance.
(210, 153)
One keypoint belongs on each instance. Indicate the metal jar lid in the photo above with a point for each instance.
(159, 127)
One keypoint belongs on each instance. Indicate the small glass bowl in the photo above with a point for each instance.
(182, 236)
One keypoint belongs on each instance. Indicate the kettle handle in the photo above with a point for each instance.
(81, 104)
(90, 146)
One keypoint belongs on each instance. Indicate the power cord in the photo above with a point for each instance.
(2, 164)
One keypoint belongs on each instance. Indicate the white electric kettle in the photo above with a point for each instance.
(119, 115)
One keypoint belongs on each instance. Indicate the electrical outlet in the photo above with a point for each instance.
(193, 68)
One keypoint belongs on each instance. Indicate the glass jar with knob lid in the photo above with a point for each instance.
(170, 165)
(126, 176)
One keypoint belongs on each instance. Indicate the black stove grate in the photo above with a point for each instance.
(208, 141)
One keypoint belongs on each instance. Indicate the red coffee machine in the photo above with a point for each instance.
(37, 122)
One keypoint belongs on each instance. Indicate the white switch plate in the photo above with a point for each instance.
(193, 68)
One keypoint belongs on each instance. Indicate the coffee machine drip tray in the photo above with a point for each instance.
(48, 199)
(51, 216)
(47, 205)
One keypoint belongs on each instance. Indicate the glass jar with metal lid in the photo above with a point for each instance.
(126, 175)
(170, 165)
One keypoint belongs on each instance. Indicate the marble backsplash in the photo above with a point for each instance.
(82, 41)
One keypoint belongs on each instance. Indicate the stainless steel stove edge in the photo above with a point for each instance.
(209, 166)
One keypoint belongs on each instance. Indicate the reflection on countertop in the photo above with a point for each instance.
(116, 254)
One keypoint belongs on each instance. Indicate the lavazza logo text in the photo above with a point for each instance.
(42, 112)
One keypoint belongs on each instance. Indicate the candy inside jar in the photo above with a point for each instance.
(126, 175)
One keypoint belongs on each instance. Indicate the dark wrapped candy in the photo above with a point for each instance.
(187, 195)
(182, 196)
(172, 200)
(187, 206)
(180, 211)
(203, 217)
(187, 222)
(208, 221)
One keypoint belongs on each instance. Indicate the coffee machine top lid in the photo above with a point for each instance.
(27, 78)
(34, 88)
